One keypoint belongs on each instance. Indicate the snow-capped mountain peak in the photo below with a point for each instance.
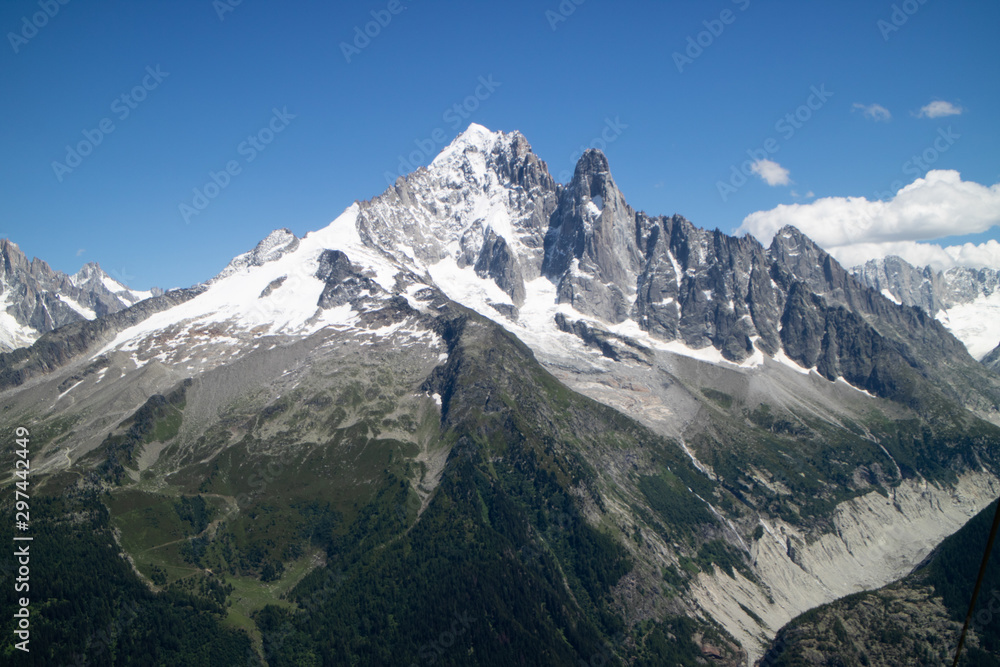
(475, 138)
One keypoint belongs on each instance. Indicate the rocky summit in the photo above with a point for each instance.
(486, 418)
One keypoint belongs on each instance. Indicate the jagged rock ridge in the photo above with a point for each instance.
(36, 299)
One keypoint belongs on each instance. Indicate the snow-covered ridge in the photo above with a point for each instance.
(272, 247)
(273, 290)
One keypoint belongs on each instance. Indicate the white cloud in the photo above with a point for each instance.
(939, 109)
(772, 172)
(855, 229)
(872, 111)
(939, 258)
(80, 251)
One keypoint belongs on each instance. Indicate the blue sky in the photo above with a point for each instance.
(210, 75)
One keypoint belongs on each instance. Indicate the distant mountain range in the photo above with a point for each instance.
(486, 419)
(965, 300)
(36, 299)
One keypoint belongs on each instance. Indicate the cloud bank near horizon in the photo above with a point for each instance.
(856, 229)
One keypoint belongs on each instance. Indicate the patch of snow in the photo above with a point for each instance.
(465, 287)
(475, 137)
(112, 285)
(678, 274)
(976, 324)
(892, 297)
(498, 219)
(74, 386)
(139, 295)
(787, 361)
(841, 380)
(13, 334)
(82, 310)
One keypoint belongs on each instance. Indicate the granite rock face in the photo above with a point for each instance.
(706, 288)
(345, 284)
(448, 210)
(591, 244)
(496, 261)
